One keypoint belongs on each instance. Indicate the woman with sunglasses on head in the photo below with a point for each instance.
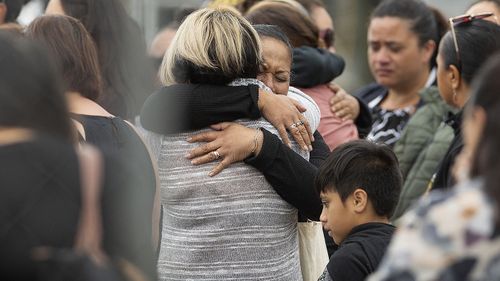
(471, 41)
(454, 235)
(438, 152)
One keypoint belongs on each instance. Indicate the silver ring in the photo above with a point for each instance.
(294, 126)
(215, 154)
(300, 123)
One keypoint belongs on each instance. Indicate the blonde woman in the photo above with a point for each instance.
(233, 226)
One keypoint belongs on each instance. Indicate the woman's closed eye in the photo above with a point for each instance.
(282, 77)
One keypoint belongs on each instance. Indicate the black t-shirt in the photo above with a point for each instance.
(360, 253)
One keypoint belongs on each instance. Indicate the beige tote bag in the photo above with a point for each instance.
(312, 248)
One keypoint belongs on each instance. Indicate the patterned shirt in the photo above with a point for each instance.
(449, 236)
(389, 124)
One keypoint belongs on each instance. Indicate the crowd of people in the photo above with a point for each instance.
(203, 156)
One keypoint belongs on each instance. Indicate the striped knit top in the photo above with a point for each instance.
(233, 226)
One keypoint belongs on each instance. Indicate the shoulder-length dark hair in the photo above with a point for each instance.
(128, 75)
(74, 51)
(31, 95)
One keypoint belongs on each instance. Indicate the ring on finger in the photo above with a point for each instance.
(215, 155)
(293, 126)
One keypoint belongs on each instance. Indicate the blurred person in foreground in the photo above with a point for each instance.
(43, 203)
(72, 48)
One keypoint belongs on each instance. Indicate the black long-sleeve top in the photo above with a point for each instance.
(202, 105)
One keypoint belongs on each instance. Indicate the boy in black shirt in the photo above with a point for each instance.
(359, 185)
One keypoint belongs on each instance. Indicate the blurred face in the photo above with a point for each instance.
(54, 7)
(485, 7)
(277, 65)
(394, 52)
(337, 216)
(324, 23)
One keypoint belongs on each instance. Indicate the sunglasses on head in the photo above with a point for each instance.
(455, 21)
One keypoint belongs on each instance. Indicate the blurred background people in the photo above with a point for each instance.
(127, 74)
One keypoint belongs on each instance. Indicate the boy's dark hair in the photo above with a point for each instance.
(362, 164)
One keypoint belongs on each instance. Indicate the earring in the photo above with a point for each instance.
(454, 95)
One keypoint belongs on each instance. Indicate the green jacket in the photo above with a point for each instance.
(422, 146)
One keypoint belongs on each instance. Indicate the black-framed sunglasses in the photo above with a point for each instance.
(454, 21)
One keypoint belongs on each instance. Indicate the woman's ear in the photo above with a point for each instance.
(360, 200)
(454, 77)
(428, 50)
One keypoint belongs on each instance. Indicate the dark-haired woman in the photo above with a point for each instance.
(301, 32)
(72, 48)
(462, 52)
(402, 42)
(127, 73)
(454, 235)
(39, 166)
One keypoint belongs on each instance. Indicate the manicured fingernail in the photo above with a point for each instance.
(194, 162)
(310, 148)
(289, 145)
(189, 139)
(187, 155)
(305, 148)
(211, 174)
(312, 138)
